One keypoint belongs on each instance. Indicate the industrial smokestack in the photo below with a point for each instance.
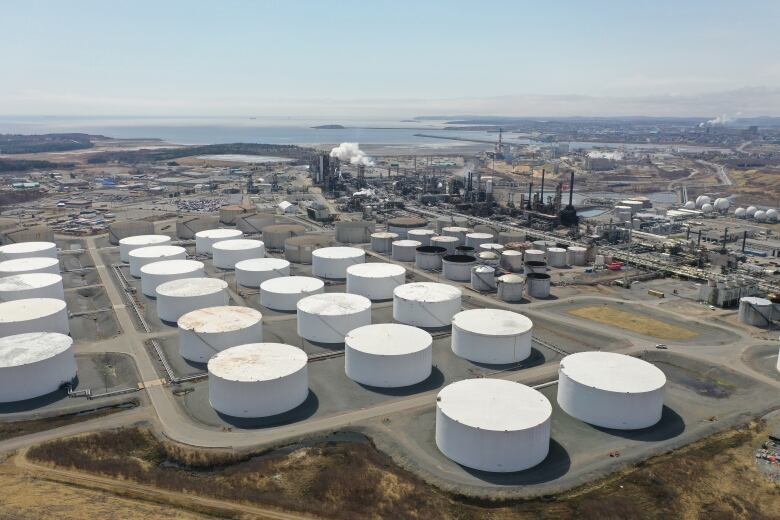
(541, 196)
(571, 189)
(530, 191)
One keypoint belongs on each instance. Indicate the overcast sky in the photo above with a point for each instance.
(390, 58)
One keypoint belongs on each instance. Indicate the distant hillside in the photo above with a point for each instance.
(23, 165)
(167, 154)
(15, 143)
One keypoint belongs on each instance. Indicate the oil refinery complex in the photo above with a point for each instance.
(503, 323)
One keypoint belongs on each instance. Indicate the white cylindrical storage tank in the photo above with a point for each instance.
(477, 239)
(253, 272)
(354, 231)
(299, 249)
(429, 258)
(258, 379)
(492, 247)
(622, 213)
(375, 281)
(404, 250)
(178, 297)
(538, 285)
(575, 255)
(34, 364)
(31, 285)
(511, 287)
(450, 221)
(328, 317)
(28, 250)
(611, 390)
(204, 240)
(29, 265)
(157, 273)
(135, 242)
(635, 205)
(493, 424)
(426, 304)
(492, 336)
(457, 232)
(556, 257)
(402, 225)
(146, 255)
(533, 266)
(283, 293)
(755, 311)
(227, 253)
(458, 267)
(542, 245)
(204, 332)
(423, 236)
(382, 242)
(275, 236)
(332, 262)
(33, 315)
(507, 237)
(447, 242)
(483, 278)
(534, 255)
(388, 355)
(512, 260)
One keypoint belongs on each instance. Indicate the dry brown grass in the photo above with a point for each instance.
(633, 322)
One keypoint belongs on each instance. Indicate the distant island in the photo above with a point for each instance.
(329, 127)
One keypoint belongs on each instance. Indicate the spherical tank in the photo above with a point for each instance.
(204, 332)
(328, 317)
(227, 252)
(258, 379)
(611, 390)
(135, 242)
(388, 355)
(332, 262)
(493, 424)
(31, 285)
(375, 280)
(156, 273)
(492, 336)
(33, 315)
(556, 257)
(382, 242)
(423, 236)
(426, 304)
(283, 293)
(404, 250)
(448, 242)
(511, 287)
(146, 255)
(178, 297)
(771, 215)
(274, 236)
(483, 278)
(477, 239)
(458, 267)
(690, 205)
(429, 258)
(512, 260)
(205, 240)
(759, 215)
(29, 265)
(34, 364)
(750, 211)
(253, 272)
(28, 250)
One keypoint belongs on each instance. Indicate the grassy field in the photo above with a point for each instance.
(633, 322)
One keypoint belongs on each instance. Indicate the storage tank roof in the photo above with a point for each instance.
(218, 233)
(577, 248)
(534, 251)
(421, 231)
(428, 292)
(492, 322)
(412, 222)
(494, 404)
(172, 267)
(29, 309)
(338, 252)
(384, 234)
(511, 252)
(407, 243)
(24, 281)
(556, 250)
(185, 287)
(224, 318)
(262, 264)
(239, 244)
(444, 239)
(139, 240)
(27, 264)
(292, 284)
(388, 339)
(25, 349)
(254, 362)
(376, 270)
(334, 304)
(755, 300)
(480, 235)
(613, 372)
(157, 251)
(27, 247)
(456, 229)
(512, 278)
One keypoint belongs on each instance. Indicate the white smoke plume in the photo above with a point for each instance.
(351, 152)
(719, 120)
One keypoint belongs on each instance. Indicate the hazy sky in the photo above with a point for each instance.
(398, 58)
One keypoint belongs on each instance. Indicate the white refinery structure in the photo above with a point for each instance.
(283, 293)
(205, 332)
(426, 304)
(178, 297)
(138, 241)
(28, 250)
(258, 380)
(493, 424)
(611, 390)
(31, 285)
(328, 317)
(227, 253)
(35, 364)
(157, 273)
(375, 281)
(388, 355)
(33, 315)
(38, 264)
(332, 262)
(204, 240)
(146, 255)
(254, 271)
(492, 336)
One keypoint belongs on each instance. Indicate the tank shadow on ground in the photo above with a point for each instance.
(37, 402)
(301, 412)
(671, 425)
(535, 359)
(326, 346)
(554, 466)
(435, 380)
